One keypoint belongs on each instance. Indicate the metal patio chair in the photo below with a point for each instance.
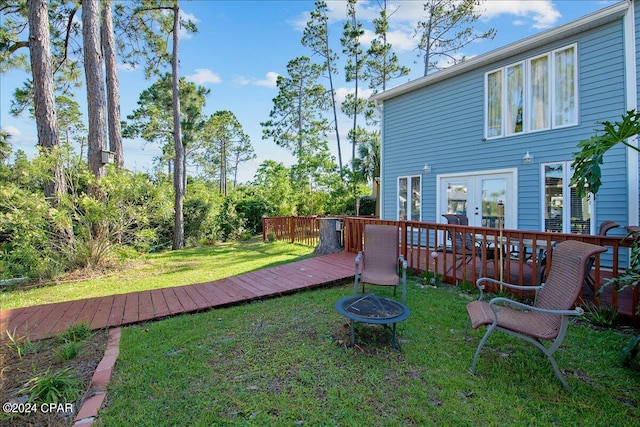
(604, 228)
(548, 317)
(462, 245)
(380, 260)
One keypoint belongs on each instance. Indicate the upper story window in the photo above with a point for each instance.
(536, 94)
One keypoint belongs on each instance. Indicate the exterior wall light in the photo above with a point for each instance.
(426, 168)
(527, 159)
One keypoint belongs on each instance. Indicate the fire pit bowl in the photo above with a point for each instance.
(369, 308)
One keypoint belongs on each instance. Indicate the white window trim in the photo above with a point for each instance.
(513, 207)
(567, 172)
(527, 93)
(409, 192)
(575, 79)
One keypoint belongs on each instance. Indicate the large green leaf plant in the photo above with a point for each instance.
(587, 177)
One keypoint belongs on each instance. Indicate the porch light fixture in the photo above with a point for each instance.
(527, 159)
(426, 168)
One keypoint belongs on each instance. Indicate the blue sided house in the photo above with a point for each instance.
(502, 127)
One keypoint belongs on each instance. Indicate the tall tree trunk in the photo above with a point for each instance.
(113, 86)
(335, 115)
(223, 166)
(96, 101)
(44, 101)
(178, 172)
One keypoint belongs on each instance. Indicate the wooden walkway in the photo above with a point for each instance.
(47, 320)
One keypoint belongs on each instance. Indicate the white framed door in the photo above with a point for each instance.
(478, 195)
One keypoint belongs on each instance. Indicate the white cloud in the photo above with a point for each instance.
(12, 130)
(203, 76)
(23, 136)
(127, 67)
(402, 41)
(269, 81)
(241, 81)
(543, 13)
(342, 92)
(182, 33)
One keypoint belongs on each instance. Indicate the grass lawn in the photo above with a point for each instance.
(283, 361)
(162, 270)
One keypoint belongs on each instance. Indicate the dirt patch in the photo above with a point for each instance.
(37, 359)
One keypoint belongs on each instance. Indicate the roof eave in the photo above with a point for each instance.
(585, 23)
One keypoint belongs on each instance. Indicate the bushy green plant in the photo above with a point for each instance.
(67, 351)
(587, 178)
(467, 286)
(20, 345)
(26, 234)
(431, 278)
(53, 387)
(367, 205)
(253, 209)
(600, 315)
(229, 223)
(76, 332)
(196, 212)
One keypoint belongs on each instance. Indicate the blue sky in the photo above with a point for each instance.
(242, 46)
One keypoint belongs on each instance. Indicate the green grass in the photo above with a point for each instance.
(283, 362)
(166, 269)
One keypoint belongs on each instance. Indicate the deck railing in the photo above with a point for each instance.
(428, 246)
(295, 229)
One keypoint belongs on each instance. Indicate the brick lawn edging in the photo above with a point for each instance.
(98, 387)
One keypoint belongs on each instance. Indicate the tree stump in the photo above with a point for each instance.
(329, 237)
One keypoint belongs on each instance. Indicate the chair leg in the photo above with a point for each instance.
(556, 369)
(548, 351)
(482, 341)
(352, 333)
(466, 329)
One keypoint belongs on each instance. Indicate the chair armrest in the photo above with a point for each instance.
(402, 262)
(506, 285)
(578, 311)
(403, 278)
(358, 259)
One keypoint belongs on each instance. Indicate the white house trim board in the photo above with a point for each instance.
(512, 207)
(631, 73)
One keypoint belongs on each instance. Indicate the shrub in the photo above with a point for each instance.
(67, 352)
(229, 223)
(252, 210)
(430, 278)
(367, 205)
(76, 332)
(59, 386)
(600, 315)
(27, 224)
(21, 345)
(196, 212)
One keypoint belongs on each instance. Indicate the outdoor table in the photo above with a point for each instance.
(369, 308)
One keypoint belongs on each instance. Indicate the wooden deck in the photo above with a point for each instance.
(47, 320)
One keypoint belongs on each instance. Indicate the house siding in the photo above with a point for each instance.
(443, 125)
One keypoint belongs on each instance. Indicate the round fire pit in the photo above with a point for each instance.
(370, 308)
